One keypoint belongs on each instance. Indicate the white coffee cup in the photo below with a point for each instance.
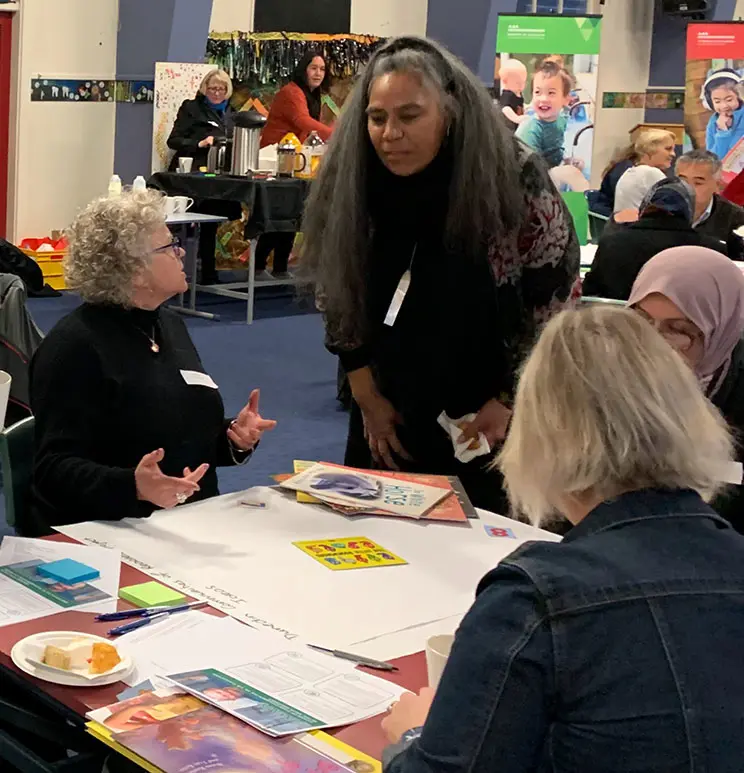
(170, 205)
(437, 651)
(5, 382)
(185, 164)
(182, 205)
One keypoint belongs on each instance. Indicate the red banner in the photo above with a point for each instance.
(715, 41)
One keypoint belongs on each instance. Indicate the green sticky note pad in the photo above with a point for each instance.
(151, 594)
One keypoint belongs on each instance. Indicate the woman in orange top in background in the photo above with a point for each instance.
(296, 109)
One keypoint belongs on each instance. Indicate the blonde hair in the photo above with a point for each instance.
(109, 245)
(604, 405)
(649, 141)
(512, 65)
(218, 75)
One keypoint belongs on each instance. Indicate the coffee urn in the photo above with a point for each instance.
(246, 142)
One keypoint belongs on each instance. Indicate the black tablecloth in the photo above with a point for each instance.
(275, 205)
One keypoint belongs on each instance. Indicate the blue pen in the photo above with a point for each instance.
(148, 612)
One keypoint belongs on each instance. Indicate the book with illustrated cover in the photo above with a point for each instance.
(365, 489)
(455, 506)
(209, 740)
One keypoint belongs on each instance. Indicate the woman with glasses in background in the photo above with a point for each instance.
(201, 122)
(695, 299)
(127, 421)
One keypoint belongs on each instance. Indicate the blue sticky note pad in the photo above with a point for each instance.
(68, 571)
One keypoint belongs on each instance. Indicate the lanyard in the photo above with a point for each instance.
(400, 292)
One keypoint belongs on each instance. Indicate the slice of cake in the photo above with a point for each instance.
(82, 655)
(103, 658)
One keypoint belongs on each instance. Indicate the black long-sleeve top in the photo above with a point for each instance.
(103, 399)
(197, 119)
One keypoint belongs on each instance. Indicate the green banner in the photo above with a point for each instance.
(548, 34)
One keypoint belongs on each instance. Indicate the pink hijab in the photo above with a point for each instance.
(708, 288)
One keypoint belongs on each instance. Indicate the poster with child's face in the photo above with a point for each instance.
(547, 73)
(714, 92)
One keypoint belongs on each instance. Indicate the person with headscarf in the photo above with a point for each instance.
(665, 222)
(695, 299)
(295, 109)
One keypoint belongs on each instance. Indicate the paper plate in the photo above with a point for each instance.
(32, 648)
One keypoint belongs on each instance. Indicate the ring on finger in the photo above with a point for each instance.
(181, 498)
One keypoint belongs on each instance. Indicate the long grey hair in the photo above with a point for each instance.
(485, 198)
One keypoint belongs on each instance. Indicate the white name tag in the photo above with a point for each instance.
(194, 378)
(398, 298)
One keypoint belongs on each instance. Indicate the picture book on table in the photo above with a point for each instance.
(209, 741)
(366, 491)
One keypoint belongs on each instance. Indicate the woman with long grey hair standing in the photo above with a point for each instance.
(438, 245)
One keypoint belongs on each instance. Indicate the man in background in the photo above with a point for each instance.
(714, 215)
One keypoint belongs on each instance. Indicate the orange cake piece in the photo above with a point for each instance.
(104, 658)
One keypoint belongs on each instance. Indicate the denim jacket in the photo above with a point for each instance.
(619, 650)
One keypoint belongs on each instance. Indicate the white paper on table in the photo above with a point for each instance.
(243, 562)
(327, 687)
(453, 427)
(19, 604)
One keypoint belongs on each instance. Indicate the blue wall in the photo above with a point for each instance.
(152, 31)
(468, 29)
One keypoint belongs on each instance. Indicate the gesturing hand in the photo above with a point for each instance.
(162, 490)
(248, 427)
(409, 712)
(492, 420)
(380, 418)
(207, 142)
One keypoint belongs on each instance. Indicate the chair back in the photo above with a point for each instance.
(17, 448)
(579, 209)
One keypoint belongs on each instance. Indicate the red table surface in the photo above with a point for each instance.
(365, 736)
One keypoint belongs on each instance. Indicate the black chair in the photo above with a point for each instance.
(17, 460)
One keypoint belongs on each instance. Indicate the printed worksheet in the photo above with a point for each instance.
(26, 595)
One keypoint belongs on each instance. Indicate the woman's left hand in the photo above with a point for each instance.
(248, 427)
(409, 712)
(492, 420)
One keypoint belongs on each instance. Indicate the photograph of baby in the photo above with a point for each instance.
(549, 100)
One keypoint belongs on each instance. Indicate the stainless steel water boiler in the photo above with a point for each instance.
(246, 142)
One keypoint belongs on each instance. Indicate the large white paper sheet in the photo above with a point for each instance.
(331, 690)
(19, 604)
(242, 560)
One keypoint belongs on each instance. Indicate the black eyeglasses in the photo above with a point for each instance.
(175, 245)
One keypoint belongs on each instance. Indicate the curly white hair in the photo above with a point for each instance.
(109, 245)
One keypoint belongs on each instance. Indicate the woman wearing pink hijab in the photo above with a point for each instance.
(695, 298)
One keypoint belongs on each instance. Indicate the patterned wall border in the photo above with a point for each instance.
(657, 100)
(91, 90)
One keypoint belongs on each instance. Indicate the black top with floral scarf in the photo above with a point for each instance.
(465, 323)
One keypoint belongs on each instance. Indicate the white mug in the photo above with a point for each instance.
(183, 204)
(5, 383)
(437, 651)
(185, 164)
(170, 206)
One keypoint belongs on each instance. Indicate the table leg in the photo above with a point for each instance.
(251, 281)
(192, 260)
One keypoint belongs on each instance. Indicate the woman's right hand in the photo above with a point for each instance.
(207, 142)
(162, 490)
(380, 420)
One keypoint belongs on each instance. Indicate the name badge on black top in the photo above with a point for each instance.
(194, 378)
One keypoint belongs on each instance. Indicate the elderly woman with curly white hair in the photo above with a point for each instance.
(127, 421)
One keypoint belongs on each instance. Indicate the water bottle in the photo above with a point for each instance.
(114, 188)
(139, 183)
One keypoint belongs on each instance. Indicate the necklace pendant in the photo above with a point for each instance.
(154, 348)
